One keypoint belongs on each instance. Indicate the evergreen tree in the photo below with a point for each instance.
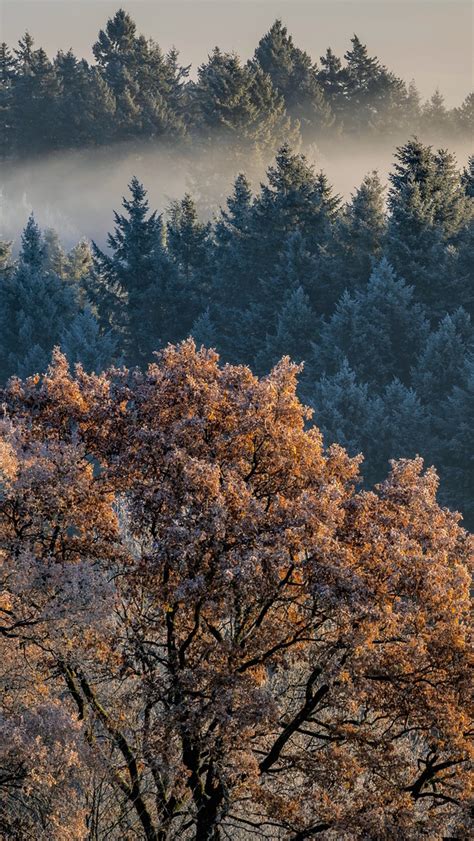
(331, 77)
(82, 341)
(203, 330)
(371, 92)
(295, 328)
(189, 247)
(295, 198)
(434, 117)
(36, 306)
(36, 99)
(440, 364)
(7, 79)
(467, 177)
(294, 76)
(463, 117)
(359, 239)
(54, 259)
(239, 105)
(456, 445)
(122, 280)
(428, 212)
(380, 330)
(33, 252)
(345, 412)
(402, 431)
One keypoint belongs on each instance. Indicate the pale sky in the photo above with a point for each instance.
(430, 41)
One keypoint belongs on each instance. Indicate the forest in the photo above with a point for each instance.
(236, 459)
(135, 91)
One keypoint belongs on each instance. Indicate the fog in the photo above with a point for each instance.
(76, 192)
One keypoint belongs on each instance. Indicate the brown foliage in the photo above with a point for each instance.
(208, 631)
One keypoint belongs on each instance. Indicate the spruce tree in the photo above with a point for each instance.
(294, 329)
(190, 250)
(380, 330)
(238, 105)
(294, 76)
(122, 279)
(36, 306)
(345, 411)
(440, 364)
(83, 342)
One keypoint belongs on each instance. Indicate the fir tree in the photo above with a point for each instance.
(83, 342)
(456, 445)
(189, 247)
(294, 330)
(294, 75)
(463, 117)
(203, 330)
(35, 307)
(359, 239)
(122, 280)
(239, 105)
(344, 410)
(380, 330)
(440, 364)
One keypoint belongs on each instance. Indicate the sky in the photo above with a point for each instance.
(431, 41)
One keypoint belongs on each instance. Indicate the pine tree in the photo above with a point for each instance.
(295, 328)
(359, 239)
(345, 412)
(239, 105)
(35, 307)
(294, 76)
(380, 330)
(440, 364)
(122, 280)
(83, 342)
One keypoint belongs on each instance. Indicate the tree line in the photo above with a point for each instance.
(375, 298)
(208, 632)
(134, 90)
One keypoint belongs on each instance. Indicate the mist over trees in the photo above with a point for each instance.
(236, 448)
(281, 94)
(375, 296)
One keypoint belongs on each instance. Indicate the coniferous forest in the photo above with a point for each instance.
(234, 439)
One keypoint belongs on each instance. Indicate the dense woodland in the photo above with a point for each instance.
(234, 594)
(135, 91)
(374, 295)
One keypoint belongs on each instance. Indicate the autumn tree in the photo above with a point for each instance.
(222, 636)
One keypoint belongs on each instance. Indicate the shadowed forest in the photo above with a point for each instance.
(213, 599)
